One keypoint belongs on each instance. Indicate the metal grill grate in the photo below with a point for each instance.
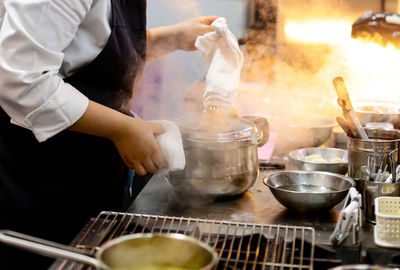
(239, 245)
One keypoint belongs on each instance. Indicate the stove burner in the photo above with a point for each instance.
(238, 245)
(250, 251)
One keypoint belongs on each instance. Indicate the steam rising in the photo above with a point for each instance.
(292, 78)
(185, 7)
(166, 81)
(292, 54)
(313, 45)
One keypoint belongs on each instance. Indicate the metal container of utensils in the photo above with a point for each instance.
(370, 191)
(373, 164)
(379, 151)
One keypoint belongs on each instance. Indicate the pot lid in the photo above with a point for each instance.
(216, 128)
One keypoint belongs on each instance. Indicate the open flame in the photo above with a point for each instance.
(318, 31)
(373, 70)
(370, 70)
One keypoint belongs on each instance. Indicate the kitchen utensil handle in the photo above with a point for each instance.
(345, 102)
(46, 248)
(342, 92)
(343, 124)
(359, 127)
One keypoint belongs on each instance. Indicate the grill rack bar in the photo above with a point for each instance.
(238, 245)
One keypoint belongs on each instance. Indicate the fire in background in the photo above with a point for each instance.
(297, 47)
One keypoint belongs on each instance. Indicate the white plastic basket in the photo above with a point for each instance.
(387, 228)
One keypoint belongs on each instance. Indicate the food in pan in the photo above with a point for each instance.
(316, 158)
(338, 160)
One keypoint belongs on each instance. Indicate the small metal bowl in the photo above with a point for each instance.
(307, 191)
(378, 111)
(329, 154)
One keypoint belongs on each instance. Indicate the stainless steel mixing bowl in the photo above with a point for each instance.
(378, 111)
(307, 191)
(329, 154)
(299, 131)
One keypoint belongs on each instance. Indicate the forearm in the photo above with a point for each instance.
(181, 36)
(133, 138)
(162, 41)
(100, 120)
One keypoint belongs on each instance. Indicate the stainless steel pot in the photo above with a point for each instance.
(133, 251)
(221, 154)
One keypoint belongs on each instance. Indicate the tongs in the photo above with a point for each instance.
(350, 219)
(350, 124)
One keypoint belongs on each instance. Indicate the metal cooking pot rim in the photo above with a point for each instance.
(360, 107)
(238, 130)
(396, 131)
(348, 179)
(113, 242)
(56, 250)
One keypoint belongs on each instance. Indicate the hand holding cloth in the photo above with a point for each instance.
(171, 147)
(224, 61)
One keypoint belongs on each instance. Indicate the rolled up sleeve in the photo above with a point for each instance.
(62, 109)
(33, 37)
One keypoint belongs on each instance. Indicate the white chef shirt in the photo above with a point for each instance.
(41, 42)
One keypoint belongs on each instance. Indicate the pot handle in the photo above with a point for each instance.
(262, 126)
(47, 248)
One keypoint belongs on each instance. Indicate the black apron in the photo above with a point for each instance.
(51, 189)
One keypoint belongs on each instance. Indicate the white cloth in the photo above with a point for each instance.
(41, 42)
(224, 60)
(170, 144)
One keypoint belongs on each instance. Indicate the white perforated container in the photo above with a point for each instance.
(387, 228)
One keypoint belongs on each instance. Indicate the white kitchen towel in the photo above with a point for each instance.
(224, 61)
(170, 144)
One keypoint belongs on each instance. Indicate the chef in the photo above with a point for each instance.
(68, 74)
